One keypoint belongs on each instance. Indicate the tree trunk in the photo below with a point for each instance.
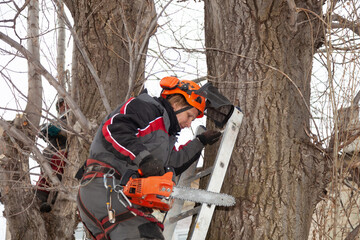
(100, 27)
(17, 194)
(262, 61)
(108, 30)
(33, 107)
(110, 37)
(61, 49)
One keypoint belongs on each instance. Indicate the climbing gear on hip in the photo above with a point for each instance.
(119, 190)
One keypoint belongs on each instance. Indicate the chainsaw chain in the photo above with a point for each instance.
(219, 199)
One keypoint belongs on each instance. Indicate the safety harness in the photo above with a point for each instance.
(97, 169)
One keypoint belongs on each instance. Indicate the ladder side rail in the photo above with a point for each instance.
(169, 226)
(203, 219)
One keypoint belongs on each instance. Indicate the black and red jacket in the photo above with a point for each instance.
(137, 128)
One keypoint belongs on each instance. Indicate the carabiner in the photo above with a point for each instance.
(110, 173)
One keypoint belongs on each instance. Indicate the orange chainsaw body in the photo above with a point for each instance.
(152, 192)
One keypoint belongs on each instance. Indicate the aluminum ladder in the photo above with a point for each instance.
(217, 173)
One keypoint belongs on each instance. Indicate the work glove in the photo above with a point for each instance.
(209, 137)
(49, 131)
(151, 166)
(53, 130)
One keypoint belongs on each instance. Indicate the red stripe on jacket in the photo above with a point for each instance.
(157, 124)
(107, 134)
(109, 138)
(181, 146)
(123, 108)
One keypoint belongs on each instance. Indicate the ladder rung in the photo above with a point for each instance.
(199, 175)
(186, 214)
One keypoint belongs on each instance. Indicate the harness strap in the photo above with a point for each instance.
(105, 224)
(183, 109)
(118, 218)
(95, 169)
(91, 161)
(99, 236)
(148, 217)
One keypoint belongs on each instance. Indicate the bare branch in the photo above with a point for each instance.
(356, 99)
(85, 124)
(19, 10)
(33, 106)
(345, 23)
(60, 58)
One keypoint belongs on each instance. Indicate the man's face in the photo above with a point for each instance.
(185, 118)
(62, 108)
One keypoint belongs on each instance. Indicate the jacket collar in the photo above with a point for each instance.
(174, 128)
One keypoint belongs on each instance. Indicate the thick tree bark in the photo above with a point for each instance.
(107, 30)
(100, 28)
(262, 61)
(17, 195)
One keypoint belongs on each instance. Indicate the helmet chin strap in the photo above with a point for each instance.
(183, 109)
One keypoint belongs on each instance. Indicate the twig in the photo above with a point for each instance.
(345, 23)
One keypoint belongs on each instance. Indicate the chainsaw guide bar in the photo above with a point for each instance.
(203, 196)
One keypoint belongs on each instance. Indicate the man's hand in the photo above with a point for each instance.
(209, 137)
(151, 166)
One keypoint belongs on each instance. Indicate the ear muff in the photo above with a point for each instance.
(169, 83)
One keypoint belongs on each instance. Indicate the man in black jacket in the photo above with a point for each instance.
(139, 135)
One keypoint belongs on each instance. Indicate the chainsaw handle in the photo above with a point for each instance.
(130, 173)
(171, 169)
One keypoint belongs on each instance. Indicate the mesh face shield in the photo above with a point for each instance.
(218, 107)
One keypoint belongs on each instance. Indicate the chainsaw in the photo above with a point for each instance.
(159, 192)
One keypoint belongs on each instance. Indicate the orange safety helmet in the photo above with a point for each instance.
(172, 85)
